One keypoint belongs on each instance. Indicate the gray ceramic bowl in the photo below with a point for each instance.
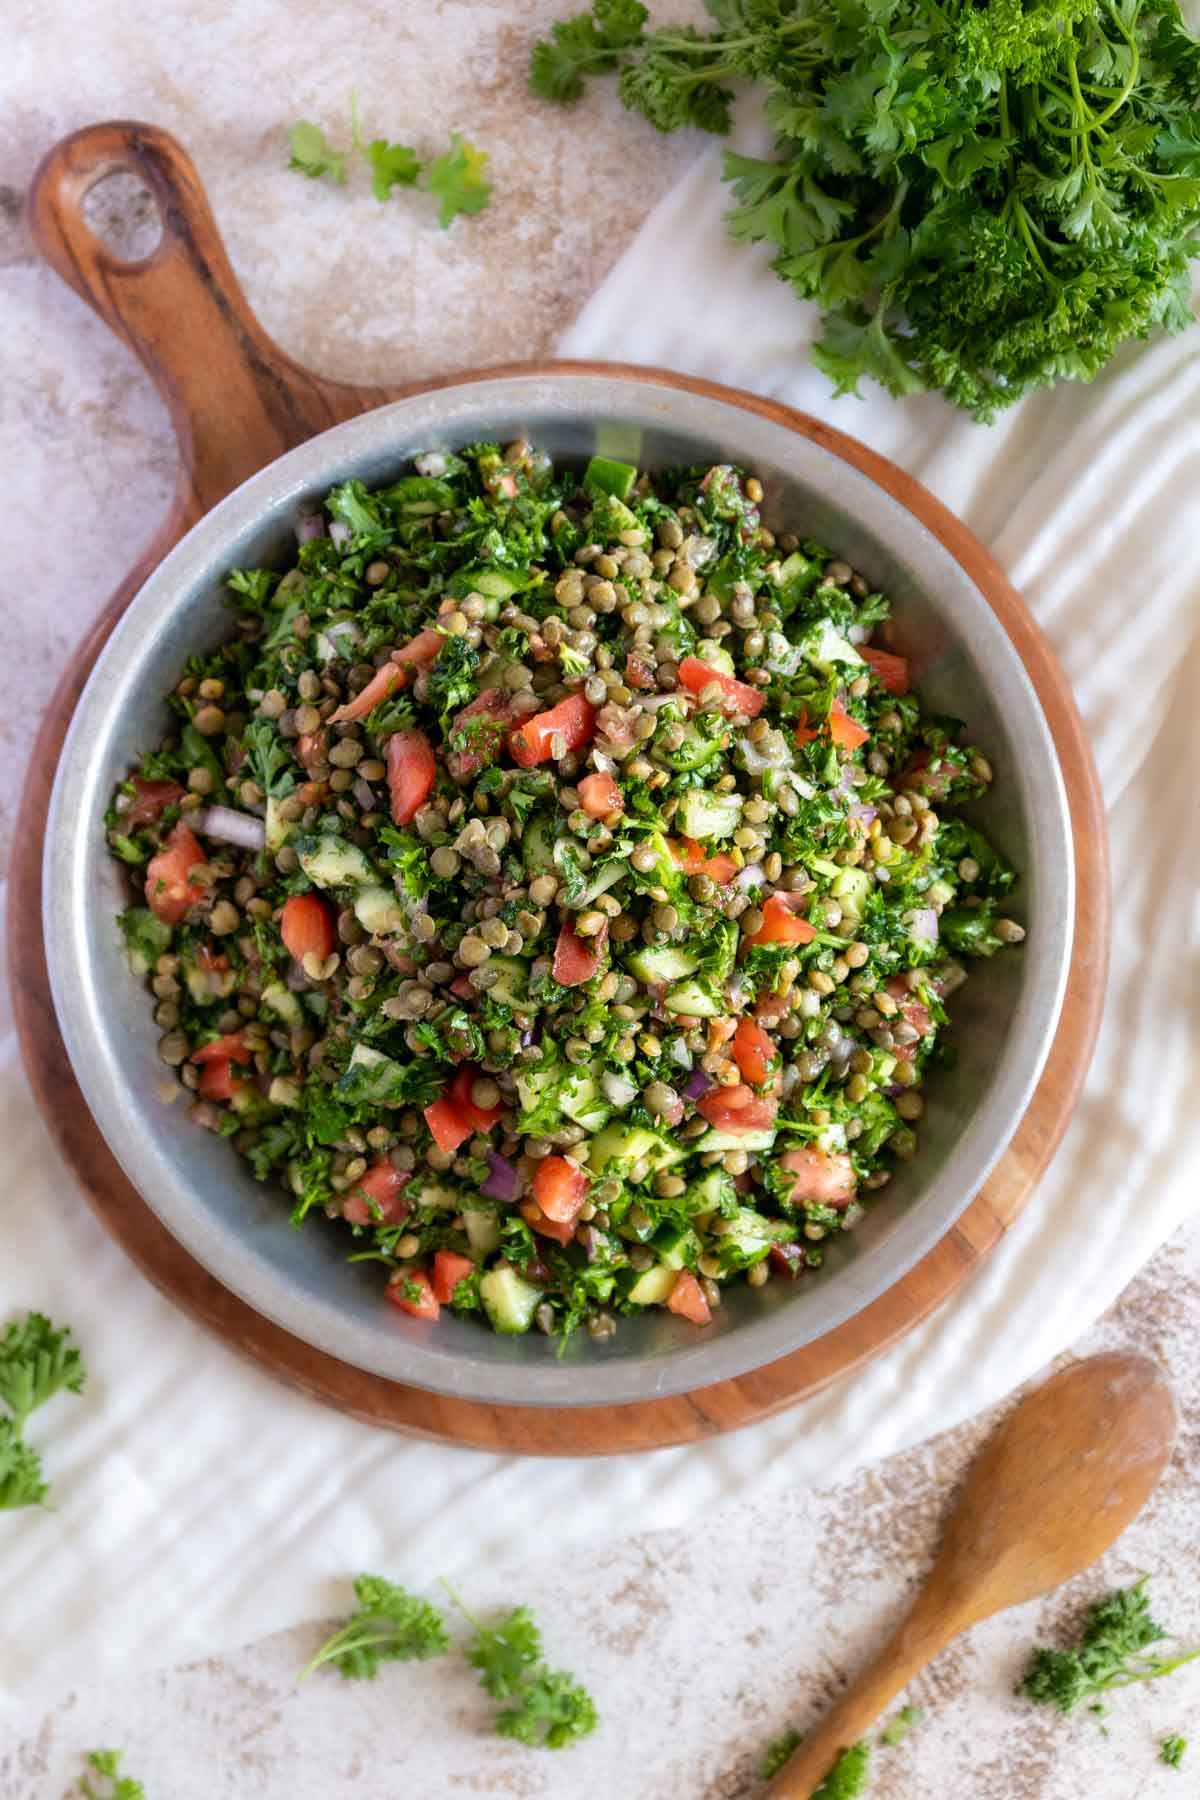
(1004, 1017)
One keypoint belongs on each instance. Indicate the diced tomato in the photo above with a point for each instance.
(720, 868)
(826, 1176)
(737, 1108)
(576, 958)
(475, 738)
(377, 1196)
(560, 1188)
(891, 670)
(846, 732)
(562, 1231)
(913, 1011)
(574, 718)
(422, 650)
(447, 1124)
(787, 1259)
(461, 988)
(151, 798)
(169, 887)
(638, 674)
(599, 795)
(217, 1080)
(312, 748)
(306, 924)
(232, 1048)
(687, 1299)
(409, 1289)
(736, 696)
(781, 925)
(754, 1052)
(927, 774)
(448, 1270)
(382, 684)
(805, 733)
(411, 773)
(479, 1118)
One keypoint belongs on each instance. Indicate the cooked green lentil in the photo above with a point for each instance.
(582, 887)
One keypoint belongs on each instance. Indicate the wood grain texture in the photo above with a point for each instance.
(237, 401)
(1050, 1492)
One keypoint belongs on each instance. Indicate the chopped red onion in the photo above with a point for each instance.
(618, 1090)
(310, 526)
(340, 532)
(503, 1183)
(593, 1241)
(229, 827)
(697, 1083)
(652, 702)
(865, 813)
(922, 925)
(750, 877)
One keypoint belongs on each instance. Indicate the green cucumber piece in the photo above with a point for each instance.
(331, 862)
(283, 1004)
(653, 1287)
(537, 846)
(696, 751)
(675, 1245)
(379, 912)
(605, 476)
(661, 962)
(714, 656)
(694, 1000)
(509, 1302)
(736, 1140)
(482, 1229)
(748, 1238)
(511, 987)
(852, 889)
(825, 645)
(627, 1144)
(582, 1101)
(711, 1192)
(533, 1083)
(703, 816)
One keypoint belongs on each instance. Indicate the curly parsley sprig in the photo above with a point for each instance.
(457, 178)
(37, 1361)
(544, 1708)
(1113, 1652)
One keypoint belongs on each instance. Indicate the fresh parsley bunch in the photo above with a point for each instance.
(983, 200)
(37, 1361)
(1114, 1651)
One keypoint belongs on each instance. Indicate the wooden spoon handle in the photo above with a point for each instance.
(926, 1629)
(235, 399)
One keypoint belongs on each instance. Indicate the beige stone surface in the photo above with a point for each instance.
(698, 1645)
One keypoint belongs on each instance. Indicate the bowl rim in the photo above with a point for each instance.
(70, 846)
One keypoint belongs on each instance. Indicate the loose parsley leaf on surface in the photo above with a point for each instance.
(1172, 1751)
(586, 45)
(778, 1751)
(1112, 1653)
(848, 1777)
(21, 1480)
(312, 155)
(546, 1708)
(905, 1720)
(37, 1361)
(116, 1786)
(388, 1625)
(457, 179)
(392, 165)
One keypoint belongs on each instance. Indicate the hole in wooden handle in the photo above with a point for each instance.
(124, 216)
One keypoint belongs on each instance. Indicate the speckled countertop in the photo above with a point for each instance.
(698, 1645)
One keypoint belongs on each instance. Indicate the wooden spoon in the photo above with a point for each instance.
(1048, 1494)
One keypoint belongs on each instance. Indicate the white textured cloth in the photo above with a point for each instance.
(199, 1505)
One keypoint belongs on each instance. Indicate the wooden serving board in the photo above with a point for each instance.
(237, 402)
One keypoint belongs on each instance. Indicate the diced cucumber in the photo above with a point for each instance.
(371, 1077)
(748, 1238)
(511, 985)
(884, 1063)
(432, 1193)
(675, 1245)
(652, 1288)
(600, 879)
(693, 1000)
(852, 888)
(702, 815)
(711, 1192)
(797, 567)
(283, 1004)
(333, 863)
(715, 656)
(695, 752)
(661, 962)
(493, 584)
(582, 1100)
(537, 845)
(419, 496)
(736, 1140)
(509, 1302)
(483, 1230)
(626, 1144)
(378, 911)
(278, 830)
(825, 645)
(284, 1091)
(605, 476)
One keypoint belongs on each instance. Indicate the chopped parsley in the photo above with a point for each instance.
(1114, 1651)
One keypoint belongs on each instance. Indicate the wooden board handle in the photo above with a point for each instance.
(235, 399)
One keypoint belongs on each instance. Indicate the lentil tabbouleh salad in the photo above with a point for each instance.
(550, 879)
